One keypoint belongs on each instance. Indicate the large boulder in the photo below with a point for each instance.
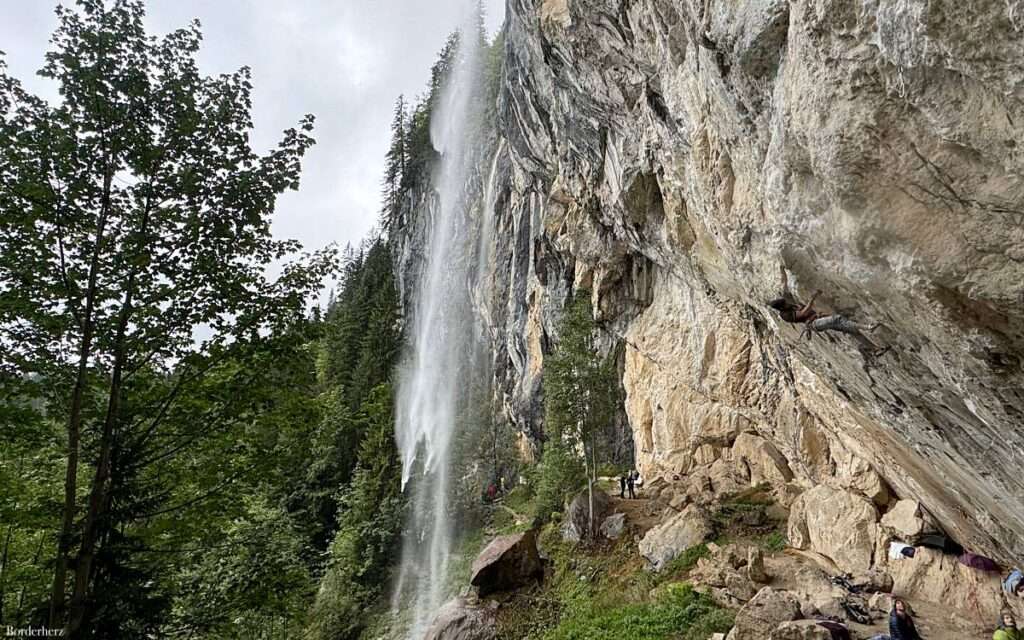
(459, 620)
(761, 459)
(614, 526)
(764, 613)
(576, 525)
(800, 630)
(506, 563)
(907, 520)
(939, 578)
(835, 523)
(683, 530)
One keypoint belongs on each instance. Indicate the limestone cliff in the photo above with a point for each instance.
(681, 158)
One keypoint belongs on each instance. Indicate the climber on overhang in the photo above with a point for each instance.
(792, 312)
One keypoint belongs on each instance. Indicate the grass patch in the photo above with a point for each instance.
(774, 541)
(679, 612)
(602, 591)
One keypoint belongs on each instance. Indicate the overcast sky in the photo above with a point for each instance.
(345, 61)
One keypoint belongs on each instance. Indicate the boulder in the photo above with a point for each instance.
(613, 526)
(755, 566)
(683, 530)
(459, 620)
(935, 577)
(800, 630)
(906, 520)
(764, 613)
(763, 461)
(508, 562)
(727, 586)
(872, 581)
(835, 523)
(576, 523)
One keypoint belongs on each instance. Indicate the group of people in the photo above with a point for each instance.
(901, 625)
(630, 481)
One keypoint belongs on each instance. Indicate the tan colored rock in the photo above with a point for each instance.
(763, 614)
(755, 566)
(837, 524)
(906, 520)
(761, 459)
(938, 578)
(683, 530)
(800, 630)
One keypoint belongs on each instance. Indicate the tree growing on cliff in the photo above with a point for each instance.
(581, 390)
(134, 216)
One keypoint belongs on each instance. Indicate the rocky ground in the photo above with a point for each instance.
(731, 549)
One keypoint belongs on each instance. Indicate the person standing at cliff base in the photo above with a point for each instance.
(901, 625)
(630, 479)
(1007, 629)
(622, 486)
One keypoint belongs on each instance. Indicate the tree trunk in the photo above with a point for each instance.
(100, 485)
(3, 568)
(75, 422)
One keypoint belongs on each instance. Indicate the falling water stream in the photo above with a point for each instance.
(442, 343)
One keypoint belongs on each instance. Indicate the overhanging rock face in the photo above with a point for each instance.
(680, 159)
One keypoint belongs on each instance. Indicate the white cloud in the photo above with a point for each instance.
(343, 60)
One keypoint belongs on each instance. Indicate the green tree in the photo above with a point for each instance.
(395, 167)
(134, 216)
(581, 390)
(370, 523)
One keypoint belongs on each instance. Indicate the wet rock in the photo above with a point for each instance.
(835, 523)
(460, 620)
(508, 562)
(681, 531)
(764, 613)
(614, 526)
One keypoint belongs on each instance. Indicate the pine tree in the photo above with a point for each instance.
(395, 168)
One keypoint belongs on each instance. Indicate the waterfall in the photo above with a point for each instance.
(442, 344)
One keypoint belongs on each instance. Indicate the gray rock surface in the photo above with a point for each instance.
(663, 543)
(614, 526)
(764, 613)
(681, 160)
(507, 562)
(459, 620)
(576, 521)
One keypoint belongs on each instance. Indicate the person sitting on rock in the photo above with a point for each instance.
(901, 625)
(1007, 629)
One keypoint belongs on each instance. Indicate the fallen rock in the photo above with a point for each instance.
(727, 586)
(613, 526)
(576, 523)
(872, 580)
(685, 529)
(755, 566)
(835, 523)
(935, 577)
(764, 613)
(800, 630)
(459, 620)
(907, 520)
(508, 562)
(764, 462)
